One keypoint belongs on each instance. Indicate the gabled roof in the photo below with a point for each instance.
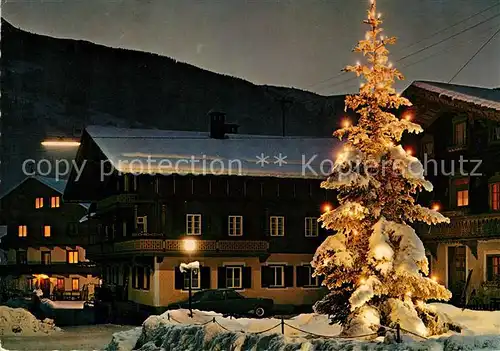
(126, 149)
(56, 184)
(482, 97)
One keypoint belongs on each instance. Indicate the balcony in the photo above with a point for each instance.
(117, 200)
(170, 247)
(466, 227)
(55, 268)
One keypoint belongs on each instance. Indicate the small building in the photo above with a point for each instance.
(460, 149)
(43, 241)
(244, 206)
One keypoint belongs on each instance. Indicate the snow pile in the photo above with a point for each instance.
(76, 305)
(18, 321)
(175, 331)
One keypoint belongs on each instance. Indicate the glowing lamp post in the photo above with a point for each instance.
(189, 245)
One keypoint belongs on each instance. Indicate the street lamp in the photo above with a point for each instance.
(189, 245)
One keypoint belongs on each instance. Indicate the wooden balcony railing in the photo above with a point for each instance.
(463, 227)
(55, 268)
(116, 199)
(166, 246)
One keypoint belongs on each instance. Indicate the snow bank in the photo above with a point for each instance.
(76, 305)
(181, 333)
(18, 321)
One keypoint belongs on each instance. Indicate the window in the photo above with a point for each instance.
(277, 224)
(140, 277)
(278, 272)
(22, 231)
(310, 280)
(124, 229)
(193, 224)
(235, 226)
(428, 148)
(233, 277)
(75, 284)
(194, 275)
(22, 257)
(72, 256)
(46, 231)
(311, 226)
(495, 196)
(39, 202)
(493, 268)
(46, 258)
(460, 133)
(60, 284)
(462, 198)
(126, 183)
(142, 224)
(461, 192)
(54, 201)
(495, 133)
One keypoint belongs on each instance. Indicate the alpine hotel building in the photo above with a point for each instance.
(246, 208)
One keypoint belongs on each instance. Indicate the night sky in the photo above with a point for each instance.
(295, 43)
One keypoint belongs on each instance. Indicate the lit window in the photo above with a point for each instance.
(495, 196)
(39, 202)
(234, 277)
(311, 226)
(277, 226)
(60, 284)
(46, 231)
(460, 133)
(22, 231)
(462, 198)
(46, 257)
(73, 256)
(194, 275)
(54, 201)
(193, 224)
(75, 284)
(235, 226)
(278, 279)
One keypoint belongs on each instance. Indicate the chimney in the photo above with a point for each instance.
(219, 127)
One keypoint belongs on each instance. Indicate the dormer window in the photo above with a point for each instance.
(495, 133)
(495, 195)
(460, 193)
(39, 202)
(55, 201)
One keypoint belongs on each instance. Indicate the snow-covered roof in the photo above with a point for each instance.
(483, 97)
(182, 152)
(56, 184)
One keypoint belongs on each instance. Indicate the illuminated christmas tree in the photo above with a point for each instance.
(375, 264)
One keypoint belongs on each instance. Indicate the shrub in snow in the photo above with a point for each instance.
(376, 261)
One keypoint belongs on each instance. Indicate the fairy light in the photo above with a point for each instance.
(346, 123)
(379, 15)
(407, 116)
(326, 207)
(436, 207)
(390, 64)
(362, 281)
(409, 151)
(362, 85)
(434, 278)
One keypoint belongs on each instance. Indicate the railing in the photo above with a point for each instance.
(55, 268)
(172, 245)
(463, 227)
(117, 199)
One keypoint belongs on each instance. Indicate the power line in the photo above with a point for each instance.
(451, 26)
(474, 56)
(424, 48)
(421, 40)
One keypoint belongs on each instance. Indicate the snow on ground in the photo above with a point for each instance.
(175, 331)
(90, 337)
(76, 305)
(18, 321)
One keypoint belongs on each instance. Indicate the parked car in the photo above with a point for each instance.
(226, 301)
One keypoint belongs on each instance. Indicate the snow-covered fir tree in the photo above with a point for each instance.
(375, 265)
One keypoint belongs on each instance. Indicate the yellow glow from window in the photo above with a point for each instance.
(75, 284)
(54, 201)
(60, 143)
(72, 256)
(39, 202)
(46, 231)
(22, 231)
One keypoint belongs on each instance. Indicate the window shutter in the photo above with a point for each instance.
(247, 277)
(134, 276)
(288, 276)
(205, 277)
(301, 275)
(221, 277)
(148, 278)
(489, 268)
(179, 279)
(265, 276)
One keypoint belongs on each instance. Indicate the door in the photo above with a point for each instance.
(456, 271)
(45, 287)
